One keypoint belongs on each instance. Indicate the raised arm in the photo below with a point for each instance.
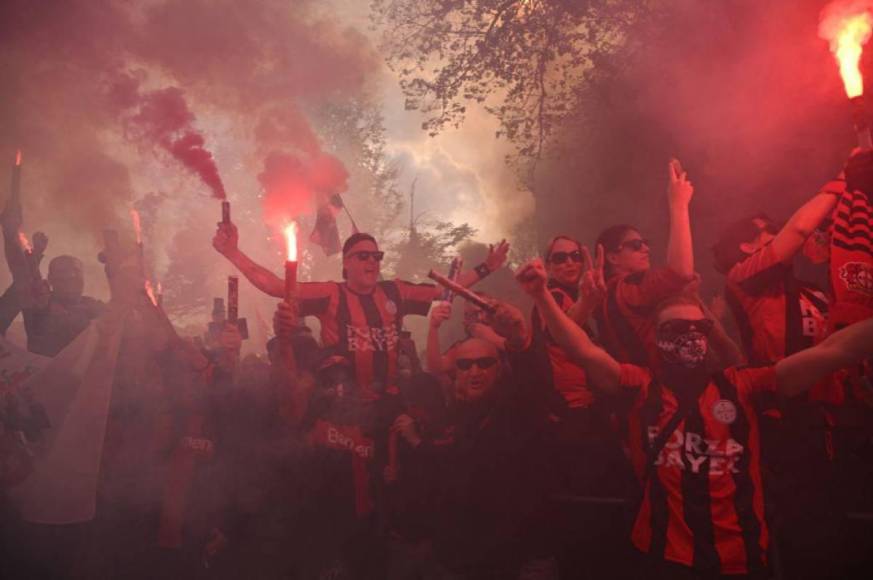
(842, 349)
(592, 287)
(226, 241)
(493, 262)
(680, 252)
(806, 219)
(603, 370)
(439, 313)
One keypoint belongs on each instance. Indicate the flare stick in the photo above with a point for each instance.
(464, 293)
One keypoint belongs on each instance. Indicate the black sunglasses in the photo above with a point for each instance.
(681, 326)
(561, 257)
(635, 245)
(486, 362)
(364, 256)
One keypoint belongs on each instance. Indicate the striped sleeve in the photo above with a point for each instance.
(313, 298)
(415, 299)
(648, 288)
(758, 271)
(634, 378)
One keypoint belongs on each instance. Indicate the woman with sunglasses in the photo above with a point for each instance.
(633, 286)
(693, 433)
(361, 316)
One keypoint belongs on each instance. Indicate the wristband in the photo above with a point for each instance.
(482, 270)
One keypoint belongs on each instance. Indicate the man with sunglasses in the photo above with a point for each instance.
(693, 433)
(633, 286)
(362, 316)
(488, 483)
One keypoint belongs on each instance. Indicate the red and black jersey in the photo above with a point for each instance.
(348, 445)
(703, 503)
(851, 260)
(567, 376)
(624, 320)
(777, 314)
(365, 328)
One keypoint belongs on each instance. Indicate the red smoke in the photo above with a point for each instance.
(164, 119)
(296, 184)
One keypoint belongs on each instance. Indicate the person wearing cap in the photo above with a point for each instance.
(361, 316)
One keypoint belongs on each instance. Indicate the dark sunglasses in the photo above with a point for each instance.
(486, 362)
(681, 326)
(635, 245)
(364, 256)
(561, 257)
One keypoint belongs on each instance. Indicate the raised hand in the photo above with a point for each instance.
(679, 189)
(286, 319)
(508, 322)
(226, 239)
(593, 284)
(40, 243)
(404, 425)
(497, 255)
(439, 313)
(532, 277)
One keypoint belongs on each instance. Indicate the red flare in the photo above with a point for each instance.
(291, 241)
(847, 26)
(25, 243)
(150, 292)
(18, 158)
(137, 226)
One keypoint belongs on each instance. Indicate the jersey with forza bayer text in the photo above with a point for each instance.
(703, 503)
(365, 328)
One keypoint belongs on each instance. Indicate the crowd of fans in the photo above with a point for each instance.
(618, 431)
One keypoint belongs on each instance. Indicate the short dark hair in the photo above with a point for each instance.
(355, 238)
(547, 252)
(683, 299)
(726, 251)
(611, 239)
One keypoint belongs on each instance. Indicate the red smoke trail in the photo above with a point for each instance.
(163, 117)
(296, 184)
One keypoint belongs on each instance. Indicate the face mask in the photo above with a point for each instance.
(684, 342)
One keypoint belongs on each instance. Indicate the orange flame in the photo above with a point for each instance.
(25, 243)
(291, 241)
(848, 26)
(137, 226)
(150, 292)
(18, 158)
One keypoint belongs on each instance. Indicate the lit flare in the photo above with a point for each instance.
(137, 225)
(291, 241)
(18, 158)
(847, 26)
(25, 243)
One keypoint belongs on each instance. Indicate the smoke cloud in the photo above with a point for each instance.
(92, 87)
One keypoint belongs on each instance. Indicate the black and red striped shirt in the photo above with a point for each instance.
(567, 376)
(703, 503)
(777, 314)
(365, 328)
(851, 260)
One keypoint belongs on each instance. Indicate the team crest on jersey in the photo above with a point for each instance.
(390, 307)
(370, 338)
(724, 412)
(858, 277)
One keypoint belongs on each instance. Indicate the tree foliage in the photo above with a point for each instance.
(524, 61)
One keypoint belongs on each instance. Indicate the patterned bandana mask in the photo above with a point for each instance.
(684, 342)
